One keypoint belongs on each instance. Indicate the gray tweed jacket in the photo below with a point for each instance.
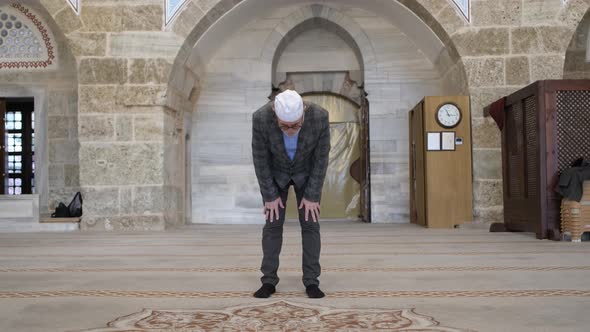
(274, 168)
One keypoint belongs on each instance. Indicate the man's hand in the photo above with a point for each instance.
(312, 208)
(271, 209)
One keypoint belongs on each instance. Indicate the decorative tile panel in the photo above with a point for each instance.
(25, 42)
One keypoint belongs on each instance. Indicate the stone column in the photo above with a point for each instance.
(124, 62)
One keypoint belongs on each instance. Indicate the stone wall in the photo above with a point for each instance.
(509, 44)
(124, 60)
(145, 66)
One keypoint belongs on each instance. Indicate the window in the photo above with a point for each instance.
(18, 141)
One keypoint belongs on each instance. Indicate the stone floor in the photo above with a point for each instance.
(388, 277)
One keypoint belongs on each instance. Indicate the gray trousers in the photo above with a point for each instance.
(272, 241)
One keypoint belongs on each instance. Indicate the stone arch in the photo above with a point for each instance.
(64, 18)
(327, 18)
(190, 74)
(441, 16)
(573, 13)
(348, 85)
(345, 82)
(430, 12)
(183, 73)
(576, 65)
(323, 80)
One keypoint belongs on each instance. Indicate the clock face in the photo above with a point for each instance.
(448, 115)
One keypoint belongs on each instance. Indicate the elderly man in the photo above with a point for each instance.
(290, 146)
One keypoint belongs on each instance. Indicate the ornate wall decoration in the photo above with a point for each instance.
(25, 42)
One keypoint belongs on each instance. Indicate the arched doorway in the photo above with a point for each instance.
(237, 64)
(318, 59)
(342, 187)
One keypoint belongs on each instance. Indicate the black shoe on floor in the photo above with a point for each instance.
(314, 292)
(265, 291)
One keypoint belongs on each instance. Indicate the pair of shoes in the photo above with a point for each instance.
(314, 292)
(265, 291)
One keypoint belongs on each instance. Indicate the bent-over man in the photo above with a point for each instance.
(290, 147)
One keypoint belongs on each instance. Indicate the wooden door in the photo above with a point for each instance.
(2, 146)
(417, 167)
(365, 199)
(412, 168)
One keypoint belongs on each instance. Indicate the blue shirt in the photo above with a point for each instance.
(291, 144)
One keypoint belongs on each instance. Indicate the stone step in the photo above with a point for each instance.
(28, 227)
(49, 220)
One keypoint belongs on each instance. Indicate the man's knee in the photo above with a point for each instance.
(275, 226)
(309, 225)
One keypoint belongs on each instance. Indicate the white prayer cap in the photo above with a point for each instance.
(289, 106)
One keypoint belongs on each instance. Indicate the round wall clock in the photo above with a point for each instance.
(448, 115)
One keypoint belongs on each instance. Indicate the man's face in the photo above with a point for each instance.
(291, 128)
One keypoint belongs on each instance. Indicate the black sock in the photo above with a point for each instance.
(265, 291)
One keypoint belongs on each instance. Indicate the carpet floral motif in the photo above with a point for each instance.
(276, 316)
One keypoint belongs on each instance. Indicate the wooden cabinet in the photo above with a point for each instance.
(441, 162)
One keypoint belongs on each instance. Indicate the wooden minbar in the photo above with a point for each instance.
(546, 127)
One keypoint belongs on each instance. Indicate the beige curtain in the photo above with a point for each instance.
(341, 193)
